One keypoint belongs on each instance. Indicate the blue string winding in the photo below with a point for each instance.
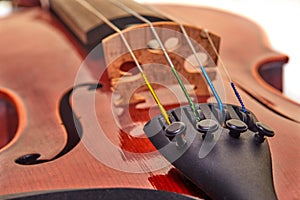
(237, 94)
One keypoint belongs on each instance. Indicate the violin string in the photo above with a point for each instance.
(237, 94)
(152, 28)
(219, 101)
(111, 25)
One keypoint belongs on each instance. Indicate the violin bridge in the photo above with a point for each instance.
(127, 82)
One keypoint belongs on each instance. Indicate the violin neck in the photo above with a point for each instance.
(89, 28)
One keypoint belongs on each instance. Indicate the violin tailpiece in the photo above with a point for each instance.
(225, 154)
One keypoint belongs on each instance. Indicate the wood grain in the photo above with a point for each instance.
(41, 63)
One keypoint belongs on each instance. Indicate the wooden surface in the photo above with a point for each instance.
(42, 61)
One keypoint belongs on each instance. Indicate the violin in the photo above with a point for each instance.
(78, 120)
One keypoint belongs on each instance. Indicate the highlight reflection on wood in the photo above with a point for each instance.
(40, 64)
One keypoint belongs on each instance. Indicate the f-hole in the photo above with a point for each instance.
(71, 123)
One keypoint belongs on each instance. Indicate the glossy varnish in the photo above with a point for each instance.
(38, 67)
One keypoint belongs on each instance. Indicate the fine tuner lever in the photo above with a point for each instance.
(227, 154)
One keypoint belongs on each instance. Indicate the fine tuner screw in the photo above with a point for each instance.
(263, 130)
(236, 127)
(207, 127)
(177, 130)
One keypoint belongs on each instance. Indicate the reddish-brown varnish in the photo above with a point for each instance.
(39, 61)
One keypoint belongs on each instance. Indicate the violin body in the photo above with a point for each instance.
(54, 141)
